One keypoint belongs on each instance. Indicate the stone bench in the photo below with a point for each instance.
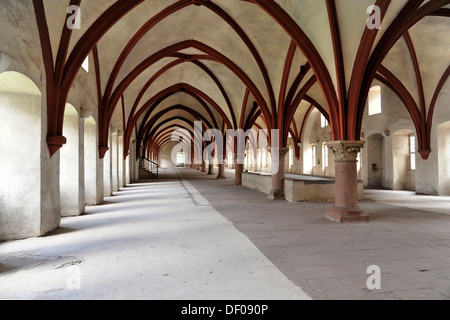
(297, 188)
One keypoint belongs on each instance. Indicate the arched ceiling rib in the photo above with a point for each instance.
(236, 52)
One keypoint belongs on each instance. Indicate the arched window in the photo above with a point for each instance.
(375, 100)
(324, 156)
(85, 64)
(412, 152)
(264, 158)
(291, 157)
(323, 121)
(180, 158)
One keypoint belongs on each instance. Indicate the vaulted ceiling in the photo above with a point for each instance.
(234, 63)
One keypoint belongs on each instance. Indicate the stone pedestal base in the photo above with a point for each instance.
(239, 168)
(221, 177)
(347, 215)
(277, 194)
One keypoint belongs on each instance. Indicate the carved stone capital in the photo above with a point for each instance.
(85, 112)
(281, 151)
(55, 143)
(345, 150)
(114, 128)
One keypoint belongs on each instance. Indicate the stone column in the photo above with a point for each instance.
(203, 166)
(277, 191)
(238, 169)
(210, 168)
(346, 207)
(221, 174)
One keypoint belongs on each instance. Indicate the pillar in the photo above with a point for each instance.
(221, 174)
(203, 165)
(346, 208)
(107, 170)
(211, 168)
(277, 191)
(238, 169)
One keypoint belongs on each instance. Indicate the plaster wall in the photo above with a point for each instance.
(107, 170)
(20, 165)
(444, 159)
(165, 155)
(375, 160)
(72, 165)
(403, 176)
(121, 163)
(90, 161)
(114, 163)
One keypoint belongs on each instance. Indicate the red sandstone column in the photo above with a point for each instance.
(221, 174)
(211, 168)
(238, 169)
(277, 191)
(203, 166)
(346, 207)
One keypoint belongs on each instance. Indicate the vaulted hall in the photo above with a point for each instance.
(225, 149)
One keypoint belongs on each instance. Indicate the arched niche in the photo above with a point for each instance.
(20, 160)
(72, 164)
(91, 177)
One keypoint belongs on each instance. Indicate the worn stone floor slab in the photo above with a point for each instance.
(191, 236)
(329, 260)
(159, 240)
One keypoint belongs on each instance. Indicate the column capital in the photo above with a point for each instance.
(102, 151)
(281, 151)
(346, 150)
(54, 143)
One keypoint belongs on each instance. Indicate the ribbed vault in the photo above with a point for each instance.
(160, 65)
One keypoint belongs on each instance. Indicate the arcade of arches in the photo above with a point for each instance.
(357, 106)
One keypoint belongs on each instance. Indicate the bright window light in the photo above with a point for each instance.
(325, 155)
(359, 159)
(264, 158)
(180, 158)
(85, 64)
(323, 121)
(291, 157)
(412, 152)
(375, 100)
(314, 162)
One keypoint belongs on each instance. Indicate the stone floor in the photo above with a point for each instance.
(190, 236)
